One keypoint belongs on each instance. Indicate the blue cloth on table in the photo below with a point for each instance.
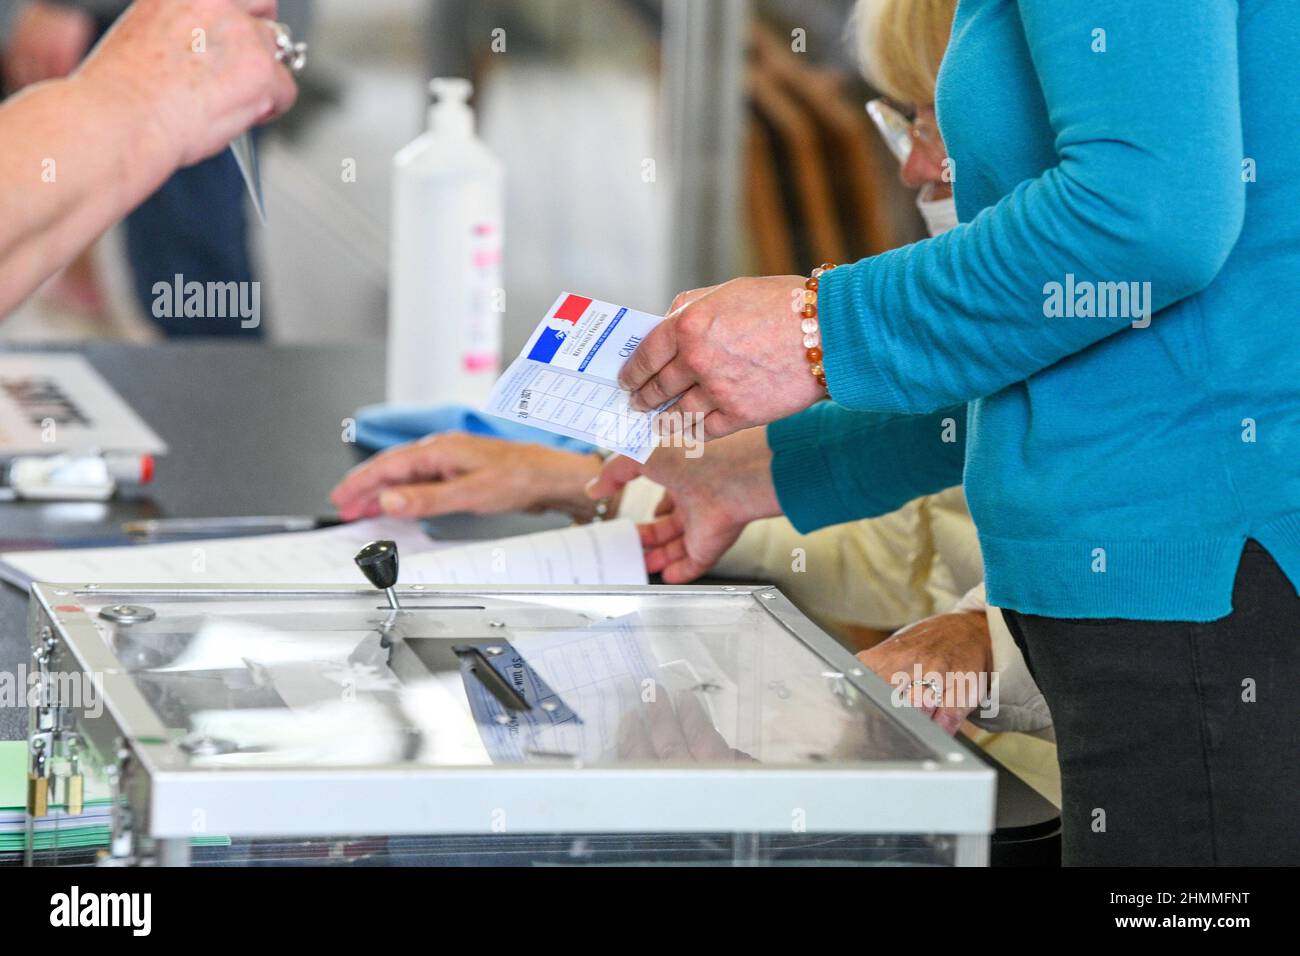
(382, 426)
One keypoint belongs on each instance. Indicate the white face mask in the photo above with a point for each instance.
(940, 215)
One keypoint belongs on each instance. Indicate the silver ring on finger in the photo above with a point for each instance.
(292, 55)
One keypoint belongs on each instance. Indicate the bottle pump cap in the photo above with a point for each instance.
(450, 113)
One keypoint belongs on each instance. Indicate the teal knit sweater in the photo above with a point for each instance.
(1107, 350)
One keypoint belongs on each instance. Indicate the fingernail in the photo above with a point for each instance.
(589, 486)
(394, 502)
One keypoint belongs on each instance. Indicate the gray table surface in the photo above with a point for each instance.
(252, 429)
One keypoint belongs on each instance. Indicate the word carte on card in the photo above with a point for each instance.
(565, 380)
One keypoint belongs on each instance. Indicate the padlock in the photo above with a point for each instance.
(38, 783)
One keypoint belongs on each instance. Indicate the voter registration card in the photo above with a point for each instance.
(566, 379)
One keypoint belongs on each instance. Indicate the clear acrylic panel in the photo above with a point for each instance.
(464, 679)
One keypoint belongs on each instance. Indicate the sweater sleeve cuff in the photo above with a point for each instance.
(801, 471)
(854, 375)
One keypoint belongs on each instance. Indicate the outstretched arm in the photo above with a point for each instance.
(173, 83)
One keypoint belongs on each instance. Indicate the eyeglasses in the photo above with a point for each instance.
(900, 131)
(894, 127)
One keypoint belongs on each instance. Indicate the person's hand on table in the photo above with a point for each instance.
(47, 42)
(707, 502)
(734, 353)
(454, 472)
(200, 90)
(949, 645)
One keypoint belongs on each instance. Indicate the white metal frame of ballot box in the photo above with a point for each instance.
(951, 794)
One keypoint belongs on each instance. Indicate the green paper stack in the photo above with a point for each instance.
(57, 829)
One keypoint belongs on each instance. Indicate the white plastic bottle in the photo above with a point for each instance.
(444, 312)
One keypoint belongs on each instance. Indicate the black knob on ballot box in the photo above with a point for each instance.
(378, 562)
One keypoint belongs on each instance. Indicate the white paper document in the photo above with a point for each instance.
(607, 552)
(602, 553)
(52, 403)
(565, 380)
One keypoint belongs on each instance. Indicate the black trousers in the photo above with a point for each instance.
(1179, 743)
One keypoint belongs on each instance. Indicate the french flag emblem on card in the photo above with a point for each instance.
(571, 308)
(558, 325)
(565, 381)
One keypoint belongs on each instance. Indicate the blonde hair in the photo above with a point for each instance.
(901, 44)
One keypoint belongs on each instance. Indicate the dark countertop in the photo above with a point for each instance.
(252, 429)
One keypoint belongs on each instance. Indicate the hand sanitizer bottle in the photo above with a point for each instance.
(446, 298)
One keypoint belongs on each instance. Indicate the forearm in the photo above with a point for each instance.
(75, 156)
(832, 465)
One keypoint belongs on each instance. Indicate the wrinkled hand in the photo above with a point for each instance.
(708, 500)
(47, 43)
(734, 353)
(454, 472)
(950, 646)
(203, 70)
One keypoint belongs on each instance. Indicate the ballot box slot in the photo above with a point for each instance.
(476, 662)
(494, 672)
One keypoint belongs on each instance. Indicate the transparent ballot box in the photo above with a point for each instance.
(243, 725)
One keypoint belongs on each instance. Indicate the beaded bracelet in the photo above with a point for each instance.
(812, 339)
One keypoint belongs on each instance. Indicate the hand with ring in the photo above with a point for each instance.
(955, 645)
(201, 71)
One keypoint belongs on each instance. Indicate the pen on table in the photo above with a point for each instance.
(237, 524)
